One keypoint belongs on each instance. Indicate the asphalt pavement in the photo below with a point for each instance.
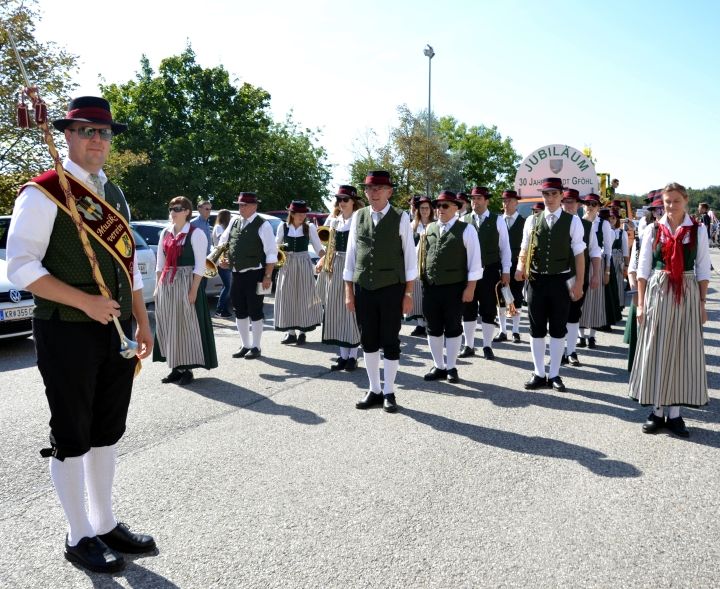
(262, 473)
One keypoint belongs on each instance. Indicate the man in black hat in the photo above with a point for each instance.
(515, 223)
(88, 394)
(252, 255)
(380, 267)
(552, 250)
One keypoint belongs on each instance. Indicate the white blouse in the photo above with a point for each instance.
(198, 241)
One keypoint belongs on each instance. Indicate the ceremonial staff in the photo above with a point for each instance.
(128, 348)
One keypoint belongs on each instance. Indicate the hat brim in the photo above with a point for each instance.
(242, 202)
(392, 185)
(436, 203)
(62, 124)
(356, 197)
(550, 189)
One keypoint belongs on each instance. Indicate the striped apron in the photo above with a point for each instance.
(297, 305)
(618, 263)
(593, 311)
(339, 326)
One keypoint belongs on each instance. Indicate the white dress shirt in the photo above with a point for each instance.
(406, 237)
(198, 241)
(299, 232)
(472, 246)
(31, 226)
(503, 238)
(623, 241)
(702, 258)
(608, 237)
(577, 243)
(339, 223)
(266, 236)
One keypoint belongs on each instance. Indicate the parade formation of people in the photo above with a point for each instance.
(443, 266)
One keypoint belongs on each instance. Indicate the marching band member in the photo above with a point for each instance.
(464, 204)
(551, 249)
(380, 270)
(339, 325)
(571, 200)
(496, 260)
(515, 223)
(594, 313)
(184, 335)
(297, 306)
(423, 217)
(620, 254)
(673, 274)
(251, 255)
(450, 266)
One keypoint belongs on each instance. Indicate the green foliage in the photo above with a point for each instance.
(710, 195)
(23, 153)
(203, 137)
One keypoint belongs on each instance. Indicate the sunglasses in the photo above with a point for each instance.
(444, 205)
(176, 209)
(343, 199)
(89, 133)
(592, 204)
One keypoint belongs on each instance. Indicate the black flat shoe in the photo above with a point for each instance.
(370, 400)
(564, 360)
(241, 353)
(677, 426)
(557, 384)
(301, 339)
(488, 353)
(120, 538)
(466, 352)
(419, 331)
(389, 404)
(351, 364)
(653, 424)
(582, 342)
(452, 375)
(591, 343)
(174, 376)
(536, 382)
(290, 338)
(500, 337)
(516, 338)
(436, 374)
(340, 364)
(252, 354)
(574, 359)
(186, 378)
(94, 555)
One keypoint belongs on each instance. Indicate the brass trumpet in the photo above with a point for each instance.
(212, 260)
(325, 233)
(422, 254)
(282, 256)
(329, 249)
(510, 308)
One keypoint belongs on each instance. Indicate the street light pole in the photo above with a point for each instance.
(429, 53)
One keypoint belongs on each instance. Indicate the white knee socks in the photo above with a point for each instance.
(344, 353)
(452, 347)
(469, 333)
(516, 323)
(673, 412)
(68, 476)
(537, 346)
(243, 327)
(372, 366)
(436, 350)
(99, 474)
(391, 368)
(488, 330)
(556, 349)
(571, 338)
(257, 329)
(502, 318)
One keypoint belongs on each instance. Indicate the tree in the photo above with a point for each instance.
(23, 153)
(202, 137)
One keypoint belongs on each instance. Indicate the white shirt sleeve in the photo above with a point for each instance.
(315, 239)
(608, 238)
(474, 260)
(644, 263)
(527, 230)
(280, 234)
(408, 245)
(349, 269)
(225, 237)
(632, 265)
(594, 248)
(703, 268)
(216, 233)
(160, 256)
(624, 237)
(577, 243)
(505, 253)
(269, 245)
(198, 241)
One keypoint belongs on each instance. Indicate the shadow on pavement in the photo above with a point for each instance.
(135, 576)
(595, 461)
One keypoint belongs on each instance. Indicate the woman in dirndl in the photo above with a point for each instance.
(183, 330)
(620, 257)
(297, 306)
(424, 215)
(339, 327)
(673, 275)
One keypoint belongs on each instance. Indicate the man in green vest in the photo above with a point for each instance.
(450, 267)
(87, 382)
(552, 260)
(515, 223)
(496, 259)
(252, 255)
(380, 267)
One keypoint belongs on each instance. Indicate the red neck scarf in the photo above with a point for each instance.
(172, 246)
(673, 253)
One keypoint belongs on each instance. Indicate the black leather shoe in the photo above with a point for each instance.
(186, 378)
(436, 374)
(536, 382)
(94, 555)
(564, 360)
(574, 359)
(389, 404)
(340, 365)
(557, 384)
(591, 343)
(466, 352)
(241, 353)
(252, 354)
(500, 337)
(290, 338)
(452, 375)
(582, 342)
(677, 426)
(516, 338)
(351, 364)
(301, 339)
(174, 376)
(370, 400)
(653, 424)
(419, 331)
(120, 538)
(488, 353)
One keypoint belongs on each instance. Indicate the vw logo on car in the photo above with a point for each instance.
(15, 295)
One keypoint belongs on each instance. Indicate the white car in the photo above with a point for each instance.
(16, 308)
(145, 258)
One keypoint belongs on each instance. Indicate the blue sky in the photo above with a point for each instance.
(636, 81)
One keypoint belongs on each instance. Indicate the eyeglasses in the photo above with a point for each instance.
(592, 204)
(343, 198)
(444, 205)
(177, 209)
(89, 133)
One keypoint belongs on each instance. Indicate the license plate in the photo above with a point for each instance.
(14, 314)
(142, 266)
